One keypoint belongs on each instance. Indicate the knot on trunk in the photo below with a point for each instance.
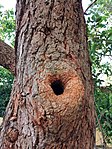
(12, 134)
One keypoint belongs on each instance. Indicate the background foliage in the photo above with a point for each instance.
(7, 25)
(99, 28)
(6, 80)
(7, 33)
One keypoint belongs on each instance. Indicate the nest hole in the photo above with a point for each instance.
(57, 87)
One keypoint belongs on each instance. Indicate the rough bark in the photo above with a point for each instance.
(7, 56)
(51, 105)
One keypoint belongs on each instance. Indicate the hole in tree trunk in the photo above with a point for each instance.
(57, 87)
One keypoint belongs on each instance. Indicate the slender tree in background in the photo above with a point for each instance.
(51, 104)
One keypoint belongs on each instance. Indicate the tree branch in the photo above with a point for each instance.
(100, 127)
(106, 89)
(7, 56)
(90, 6)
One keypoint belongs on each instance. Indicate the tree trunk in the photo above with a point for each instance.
(7, 57)
(51, 105)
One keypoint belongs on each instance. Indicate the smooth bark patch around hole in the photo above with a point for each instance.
(57, 87)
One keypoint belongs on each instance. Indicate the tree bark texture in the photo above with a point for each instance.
(51, 105)
(7, 57)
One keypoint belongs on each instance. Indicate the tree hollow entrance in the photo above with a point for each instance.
(57, 87)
